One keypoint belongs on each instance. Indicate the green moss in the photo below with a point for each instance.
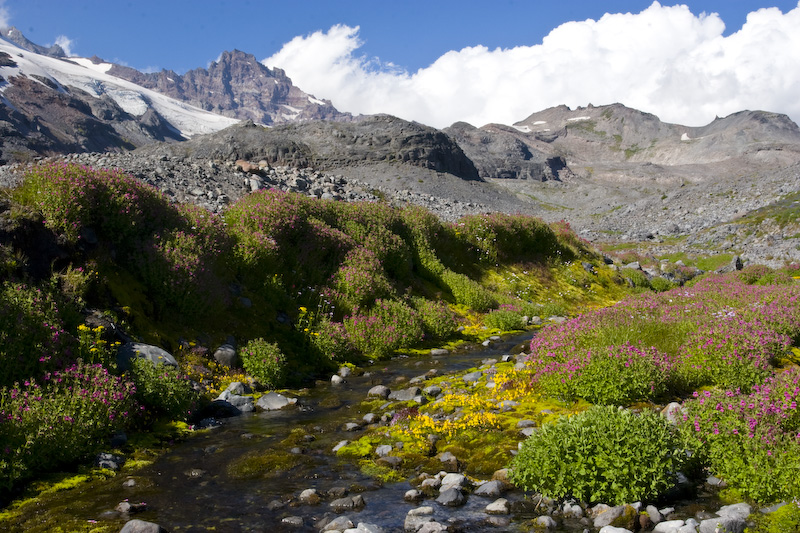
(264, 464)
(786, 519)
(383, 474)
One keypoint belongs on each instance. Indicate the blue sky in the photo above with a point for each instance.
(438, 61)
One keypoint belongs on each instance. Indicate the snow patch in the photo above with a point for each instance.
(523, 129)
(539, 122)
(578, 118)
(685, 137)
(85, 62)
(134, 99)
(315, 101)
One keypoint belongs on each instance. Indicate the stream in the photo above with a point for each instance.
(200, 484)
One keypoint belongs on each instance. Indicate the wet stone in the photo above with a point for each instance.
(490, 489)
(348, 503)
(499, 506)
(293, 521)
(452, 497)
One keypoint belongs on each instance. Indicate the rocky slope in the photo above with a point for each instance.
(237, 86)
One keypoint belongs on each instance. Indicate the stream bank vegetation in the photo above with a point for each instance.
(306, 285)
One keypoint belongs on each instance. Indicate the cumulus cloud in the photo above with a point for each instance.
(5, 19)
(664, 60)
(65, 43)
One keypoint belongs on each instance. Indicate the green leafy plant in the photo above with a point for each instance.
(387, 326)
(504, 319)
(163, 390)
(438, 321)
(265, 362)
(604, 454)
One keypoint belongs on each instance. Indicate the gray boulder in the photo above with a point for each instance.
(405, 395)
(273, 401)
(381, 391)
(452, 497)
(226, 356)
(137, 350)
(490, 489)
(140, 526)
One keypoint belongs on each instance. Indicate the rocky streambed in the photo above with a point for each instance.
(275, 468)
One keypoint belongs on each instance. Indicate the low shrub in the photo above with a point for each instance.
(32, 334)
(61, 419)
(361, 278)
(749, 440)
(438, 321)
(332, 340)
(388, 326)
(613, 375)
(265, 362)
(163, 390)
(468, 292)
(504, 319)
(603, 454)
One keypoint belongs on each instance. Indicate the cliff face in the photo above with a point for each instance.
(238, 86)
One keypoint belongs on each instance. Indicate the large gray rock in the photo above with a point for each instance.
(273, 401)
(133, 350)
(381, 391)
(405, 395)
(451, 497)
(340, 523)
(499, 506)
(490, 489)
(226, 356)
(140, 526)
(348, 503)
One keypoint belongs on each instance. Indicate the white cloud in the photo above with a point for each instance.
(65, 43)
(664, 60)
(5, 18)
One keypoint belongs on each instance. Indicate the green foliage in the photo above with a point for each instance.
(508, 238)
(468, 292)
(783, 520)
(636, 278)
(438, 321)
(603, 454)
(387, 326)
(61, 419)
(504, 319)
(659, 284)
(163, 390)
(265, 362)
(32, 334)
(361, 278)
(749, 439)
(120, 208)
(332, 340)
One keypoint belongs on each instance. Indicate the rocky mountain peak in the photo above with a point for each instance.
(13, 35)
(237, 85)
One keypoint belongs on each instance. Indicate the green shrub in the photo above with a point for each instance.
(783, 520)
(63, 418)
(468, 292)
(504, 320)
(660, 284)
(604, 454)
(388, 326)
(265, 362)
(508, 238)
(749, 439)
(332, 340)
(438, 321)
(636, 278)
(32, 334)
(163, 390)
(116, 205)
(361, 278)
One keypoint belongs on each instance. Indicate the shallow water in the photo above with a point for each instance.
(190, 488)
